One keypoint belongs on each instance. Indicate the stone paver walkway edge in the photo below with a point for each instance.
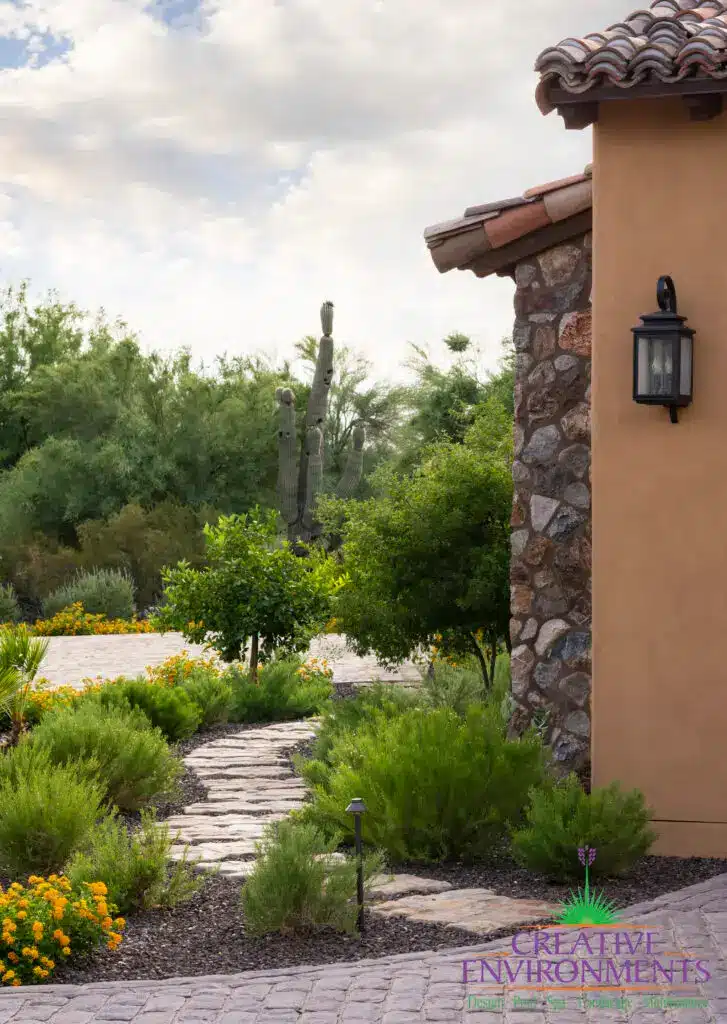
(718, 882)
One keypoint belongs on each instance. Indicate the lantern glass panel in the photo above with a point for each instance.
(685, 369)
(655, 366)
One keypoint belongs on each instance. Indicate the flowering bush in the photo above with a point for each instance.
(49, 920)
(74, 621)
(179, 667)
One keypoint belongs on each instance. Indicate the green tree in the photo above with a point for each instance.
(253, 589)
(444, 402)
(429, 556)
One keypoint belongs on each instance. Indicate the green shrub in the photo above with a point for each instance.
(294, 888)
(436, 785)
(9, 608)
(108, 592)
(281, 694)
(349, 715)
(212, 695)
(134, 865)
(170, 709)
(46, 811)
(563, 818)
(131, 758)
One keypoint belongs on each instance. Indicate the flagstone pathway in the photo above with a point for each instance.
(250, 784)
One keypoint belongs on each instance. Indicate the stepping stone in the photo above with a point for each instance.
(226, 792)
(480, 911)
(225, 758)
(213, 809)
(240, 772)
(207, 853)
(403, 885)
(236, 868)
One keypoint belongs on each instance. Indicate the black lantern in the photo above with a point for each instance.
(663, 354)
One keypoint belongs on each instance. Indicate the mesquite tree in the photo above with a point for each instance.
(300, 481)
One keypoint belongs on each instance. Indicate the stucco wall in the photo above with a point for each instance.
(550, 569)
(660, 490)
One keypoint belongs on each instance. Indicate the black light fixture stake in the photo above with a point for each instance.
(357, 807)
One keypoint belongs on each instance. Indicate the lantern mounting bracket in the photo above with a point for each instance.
(666, 294)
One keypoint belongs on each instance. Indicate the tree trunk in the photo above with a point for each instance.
(254, 652)
(482, 660)
(493, 656)
(508, 642)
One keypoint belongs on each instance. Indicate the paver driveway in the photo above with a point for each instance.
(70, 659)
(397, 990)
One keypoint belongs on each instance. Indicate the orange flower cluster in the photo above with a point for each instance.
(47, 919)
(74, 621)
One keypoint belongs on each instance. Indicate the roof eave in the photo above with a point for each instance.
(485, 262)
(704, 98)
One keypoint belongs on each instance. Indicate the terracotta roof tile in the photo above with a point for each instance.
(516, 222)
(672, 40)
(499, 232)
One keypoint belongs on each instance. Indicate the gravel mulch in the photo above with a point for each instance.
(207, 936)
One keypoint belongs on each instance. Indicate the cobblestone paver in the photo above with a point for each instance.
(71, 659)
(413, 989)
(249, 784)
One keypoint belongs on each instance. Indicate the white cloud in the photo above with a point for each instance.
(213, 187)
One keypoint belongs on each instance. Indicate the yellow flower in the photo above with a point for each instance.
(16, 983)
(13, 958)
(30, 951)
(98, 888)
(120, 923)
(66, 951)
(22, 914)
(47, 962)
(8, 976)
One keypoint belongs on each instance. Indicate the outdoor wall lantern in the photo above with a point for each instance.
(663, 354)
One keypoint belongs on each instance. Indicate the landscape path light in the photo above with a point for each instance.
(357, 807)
(664, 354)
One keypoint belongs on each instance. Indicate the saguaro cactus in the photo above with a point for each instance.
(300, 484)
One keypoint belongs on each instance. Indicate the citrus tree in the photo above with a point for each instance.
(252, 590)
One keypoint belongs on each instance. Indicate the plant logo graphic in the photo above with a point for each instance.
(585, 907)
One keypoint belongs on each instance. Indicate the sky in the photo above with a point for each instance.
(212, 170)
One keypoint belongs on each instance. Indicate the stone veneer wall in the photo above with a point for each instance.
(550, 572)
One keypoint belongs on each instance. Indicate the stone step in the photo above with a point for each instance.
(480, 911)
(215, 809)
(230, 789)
(207, 853)
(242, 772)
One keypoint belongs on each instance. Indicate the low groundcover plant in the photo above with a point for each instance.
(50, 920)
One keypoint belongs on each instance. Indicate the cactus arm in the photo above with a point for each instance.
(287, 492)
(354, 465)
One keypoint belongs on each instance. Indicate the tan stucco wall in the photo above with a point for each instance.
(659, 700)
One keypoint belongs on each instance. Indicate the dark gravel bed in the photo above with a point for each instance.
(207, 936)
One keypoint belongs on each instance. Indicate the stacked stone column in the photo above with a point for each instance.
(550, 572)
